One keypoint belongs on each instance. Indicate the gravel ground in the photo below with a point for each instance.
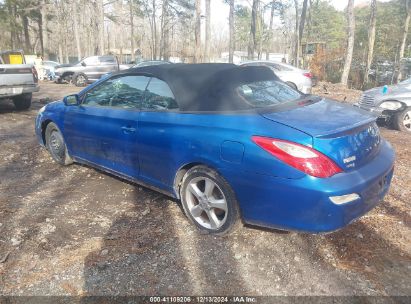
(78, 231)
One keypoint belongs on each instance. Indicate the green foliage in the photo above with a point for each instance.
(327, 25)
(242, 17)
(390, 18)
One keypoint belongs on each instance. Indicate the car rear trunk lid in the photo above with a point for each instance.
(346, 134)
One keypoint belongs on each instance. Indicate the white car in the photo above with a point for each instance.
(294, 77)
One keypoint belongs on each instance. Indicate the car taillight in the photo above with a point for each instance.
(301, 157)
(35, 75)
(308, 74)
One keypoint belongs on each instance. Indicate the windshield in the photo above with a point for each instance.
(267, 93)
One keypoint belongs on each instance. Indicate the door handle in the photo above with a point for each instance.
(128, 129)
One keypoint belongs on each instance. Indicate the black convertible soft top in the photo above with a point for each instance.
(206, 86)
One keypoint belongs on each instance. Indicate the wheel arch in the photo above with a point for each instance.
(292, 84)
(405, 103)
(178, 178)
(67, 73)
(44, 125)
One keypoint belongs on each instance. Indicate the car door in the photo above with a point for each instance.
(91, 68)
(103, 128)
(108, 64)
(157, 126)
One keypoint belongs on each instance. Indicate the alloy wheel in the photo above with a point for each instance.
(206, 203)
(80, 80)
(407, 121)
(56, 145)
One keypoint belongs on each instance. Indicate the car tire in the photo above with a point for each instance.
(402, 120)
(292, 84)
(23, 101)
(208, 201)
(80, 80)
(56, 146)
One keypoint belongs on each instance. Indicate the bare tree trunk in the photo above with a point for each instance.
(130, 2)
(27, 45)
(252, 39)
(154, 31)
(76, 26)
(44, 29)
(207, 32)
(167, 29)
(232, 39)
(297, 38)
(350, 46)
(11, 24)
(40, 25)
(197, 51)
(101, 27)
(165, 32)
(259, 29)
(60, 34)
(404, 39)
(371, 39)
(302, 24)
(61, 59)
(270, 32)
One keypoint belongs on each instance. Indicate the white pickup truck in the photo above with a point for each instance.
(17, 80)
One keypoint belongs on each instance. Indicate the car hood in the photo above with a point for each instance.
(393, 90)
(345, 133)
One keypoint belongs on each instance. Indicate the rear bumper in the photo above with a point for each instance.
(304, 204)
(10, 91)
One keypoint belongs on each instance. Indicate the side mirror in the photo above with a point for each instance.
(83, 64)
(71, 100)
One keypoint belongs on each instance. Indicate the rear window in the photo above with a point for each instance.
(266, 93)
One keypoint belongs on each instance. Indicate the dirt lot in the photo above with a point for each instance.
(77, 231)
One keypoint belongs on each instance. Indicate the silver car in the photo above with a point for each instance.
(391, 103)
(149, 63)
(294, 77)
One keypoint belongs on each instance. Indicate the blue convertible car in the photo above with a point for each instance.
(230, 142)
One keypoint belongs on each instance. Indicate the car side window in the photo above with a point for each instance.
(107, 59)
(91, 60)
(158, 96)
(121, 92)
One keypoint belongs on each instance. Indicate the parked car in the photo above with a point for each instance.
(229, 142)
(88, 70)
(18, 80)
(150, 62)
(390, 103)
(296, 78)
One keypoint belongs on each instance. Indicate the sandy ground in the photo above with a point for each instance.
(78, 231)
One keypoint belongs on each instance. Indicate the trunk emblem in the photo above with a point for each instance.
(349, 159)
